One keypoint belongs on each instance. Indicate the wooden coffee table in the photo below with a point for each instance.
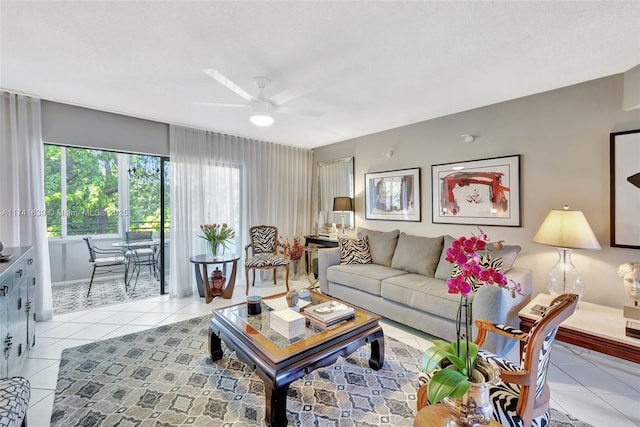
(280, 361)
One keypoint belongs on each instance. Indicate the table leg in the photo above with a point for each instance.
(228, 290)
(199, 281)
(275, 399)
(215, 346)
(377, 350)
(207, 291)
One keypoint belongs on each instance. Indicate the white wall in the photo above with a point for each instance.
(563, 137)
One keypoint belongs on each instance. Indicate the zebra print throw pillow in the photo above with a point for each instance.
(354, 251)
(485, 261)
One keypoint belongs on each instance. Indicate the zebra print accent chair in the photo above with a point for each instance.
(15, 394)
(522, 397)
(264, 253)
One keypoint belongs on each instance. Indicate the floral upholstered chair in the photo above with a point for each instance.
(264, 253)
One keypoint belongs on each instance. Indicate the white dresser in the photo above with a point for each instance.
(17, 314)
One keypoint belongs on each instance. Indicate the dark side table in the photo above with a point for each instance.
(312, 243)
(202, 278)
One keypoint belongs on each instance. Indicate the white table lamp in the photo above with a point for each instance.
(566, 230)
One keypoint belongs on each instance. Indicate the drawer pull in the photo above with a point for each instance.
(19, 273)
(4, 291)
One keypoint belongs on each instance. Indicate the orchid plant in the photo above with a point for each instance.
(474, 269)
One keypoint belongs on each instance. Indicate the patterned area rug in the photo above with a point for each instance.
(73, 297)
(164, 377)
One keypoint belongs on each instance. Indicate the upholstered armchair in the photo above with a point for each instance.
(264, 253)
(522, 397)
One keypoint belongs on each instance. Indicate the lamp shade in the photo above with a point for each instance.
(564, 228)
(342, 204)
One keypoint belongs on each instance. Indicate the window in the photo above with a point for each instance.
(98, 192)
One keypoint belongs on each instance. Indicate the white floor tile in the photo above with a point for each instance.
(39, 413)
(124, 330)
(94, 316)
(597, 380)
(559, 380)
(121, 318)
(177, 318)
(45, 379)
(94, 332)
(37, 396)
(33, 366)
(149, 319)
(591, 409)
(64, 330)
(627, 405)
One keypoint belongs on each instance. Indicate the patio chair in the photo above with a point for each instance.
(141, 255)
(105, 258)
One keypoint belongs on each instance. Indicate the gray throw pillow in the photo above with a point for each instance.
(381, 243)
(508, 253)
(415, 254)
(444, 270)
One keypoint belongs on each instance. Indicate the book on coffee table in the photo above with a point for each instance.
(328, 313)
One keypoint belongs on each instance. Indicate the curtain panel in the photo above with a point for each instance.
(273, 186)
(24, 221)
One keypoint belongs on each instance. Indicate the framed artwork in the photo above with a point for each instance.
(393, 195)
(625, 189)
(478, 192)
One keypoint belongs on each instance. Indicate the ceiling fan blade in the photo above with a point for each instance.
(299, 111)
(289, 94)
(217, 104)
(220, 78)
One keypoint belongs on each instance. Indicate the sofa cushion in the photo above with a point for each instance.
(416, 254)
(508, 253)
(423, 293)
(366, 278)
(381, 243)
(485, 262)
(444, 270)
(354, 251)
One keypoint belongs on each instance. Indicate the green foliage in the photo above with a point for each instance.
(92, 203)
(454, 380)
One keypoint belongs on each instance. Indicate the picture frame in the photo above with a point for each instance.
(625, 189)
(393, 195)
(477, 192)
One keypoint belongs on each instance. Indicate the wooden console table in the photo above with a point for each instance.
(592, 326)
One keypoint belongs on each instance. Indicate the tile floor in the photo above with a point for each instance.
(600, 390)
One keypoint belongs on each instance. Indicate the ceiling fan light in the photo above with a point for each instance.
(261, 114)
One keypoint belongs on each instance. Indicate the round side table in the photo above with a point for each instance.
(202, 278)
(434, 416)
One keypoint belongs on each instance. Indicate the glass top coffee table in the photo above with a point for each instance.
(278, 360)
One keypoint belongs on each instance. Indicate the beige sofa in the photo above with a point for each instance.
(406, 282)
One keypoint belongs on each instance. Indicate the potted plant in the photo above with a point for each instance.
(454, 365)
(218, 236)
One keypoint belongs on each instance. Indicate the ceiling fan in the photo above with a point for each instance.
(262, 108)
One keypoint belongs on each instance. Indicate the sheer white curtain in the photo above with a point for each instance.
(221, 178)
(22, 189)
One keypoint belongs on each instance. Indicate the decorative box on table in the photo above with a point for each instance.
(288, 322)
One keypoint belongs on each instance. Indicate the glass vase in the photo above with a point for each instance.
(215, 248)
(294, 269)
(475, 407)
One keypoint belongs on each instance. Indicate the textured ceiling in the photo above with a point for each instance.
(374, 65)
